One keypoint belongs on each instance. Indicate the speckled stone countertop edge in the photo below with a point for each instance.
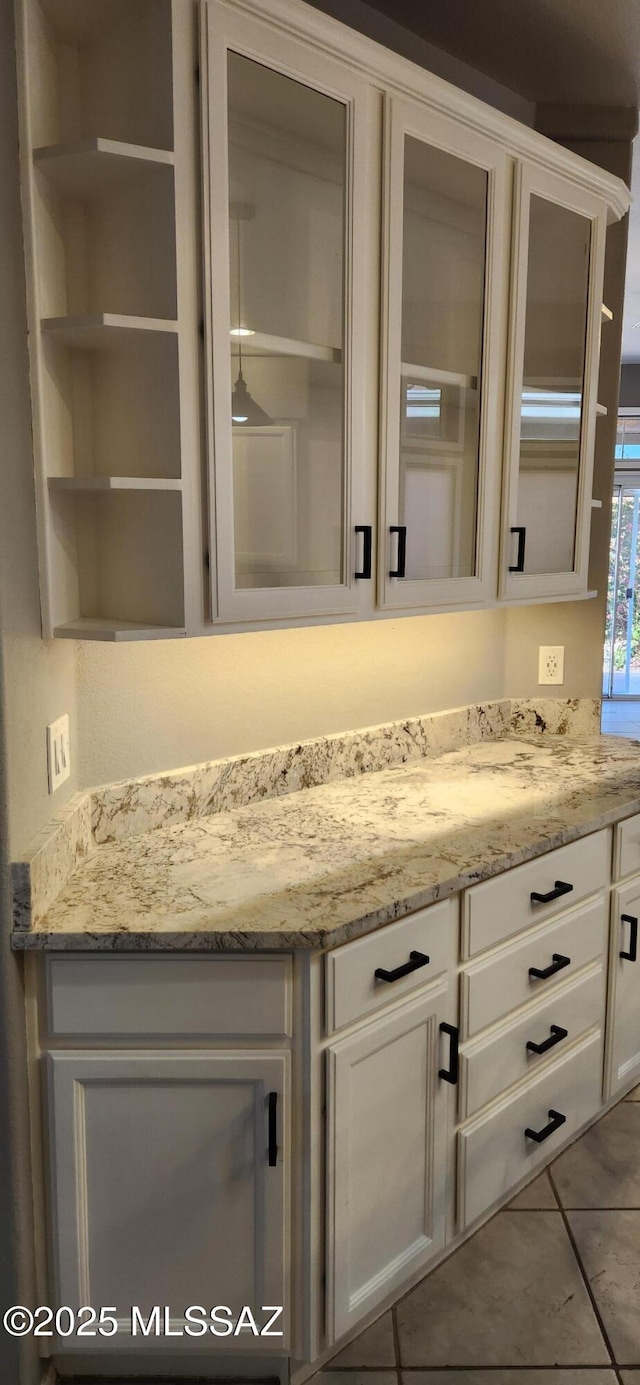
(314, 939)
(135, 807)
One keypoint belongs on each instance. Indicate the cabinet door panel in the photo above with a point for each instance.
(623, 1033)
(160, 1165)
(556, 297)
(288, 168)
(444, 272)
(387, 1113)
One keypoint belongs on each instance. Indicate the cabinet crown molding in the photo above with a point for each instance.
(375, 61)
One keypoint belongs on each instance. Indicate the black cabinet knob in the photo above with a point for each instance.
(632, 954)
(543, 973)
(556, 1119)
(416, 960)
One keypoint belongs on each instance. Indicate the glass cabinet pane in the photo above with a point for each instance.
(443, 286)
(552, 388)
(287, 196)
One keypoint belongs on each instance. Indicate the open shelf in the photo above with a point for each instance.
(85, 628)
(99, 331)
(119, 559)
(431, 376)
(110, 403)
(93, 167)
(110, 170)
(101, 66)
(262, 344)
(113, 483)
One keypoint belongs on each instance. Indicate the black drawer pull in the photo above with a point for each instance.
(556, 1119)
(366, 531)
(450, 1074)
(417, 960)
(560, 889)
(522, 539)
(273, 1129)
(555, 1037)
(401, 531)
(543, 973)
(632, 954)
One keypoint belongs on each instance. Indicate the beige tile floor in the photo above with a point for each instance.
(621, 719)
(546, 1293)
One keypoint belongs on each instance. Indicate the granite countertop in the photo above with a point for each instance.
(333, 862)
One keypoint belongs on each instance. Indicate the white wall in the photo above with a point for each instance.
(151, 706)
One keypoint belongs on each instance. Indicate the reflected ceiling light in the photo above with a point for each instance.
(244, 409)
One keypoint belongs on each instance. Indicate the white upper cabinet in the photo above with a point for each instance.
(392, 405)
(446, 248)
(558, 263)
(288, 155)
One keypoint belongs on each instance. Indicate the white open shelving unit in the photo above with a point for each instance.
(108, 170)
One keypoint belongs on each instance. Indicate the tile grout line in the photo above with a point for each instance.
(583, 1273)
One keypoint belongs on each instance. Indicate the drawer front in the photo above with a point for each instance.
(626, 850)
(499, 908)
(352, 987)
(502, 983)
(491, 1065)
(494, 1153)
(145, 997)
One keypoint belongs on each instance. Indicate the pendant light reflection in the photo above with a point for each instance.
(244, 409)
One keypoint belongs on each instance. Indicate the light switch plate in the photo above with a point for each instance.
(551, 663)
(58, 752)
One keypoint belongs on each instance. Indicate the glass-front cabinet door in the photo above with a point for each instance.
(289, 154)
(445, 258)
(559, 241)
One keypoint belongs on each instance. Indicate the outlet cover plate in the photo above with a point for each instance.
(58, 752)
(551, 664)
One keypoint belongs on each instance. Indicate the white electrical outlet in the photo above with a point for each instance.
(551, 663)
(58, 753)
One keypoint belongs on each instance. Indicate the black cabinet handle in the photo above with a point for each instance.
(367, 548)
(632, 954)
(556, 1119)
(522, 539)
(401, 531)
(560, 888)
(543, 973)
(450, 1074)
(556, 1036)
(417, 960)
(273, 1129)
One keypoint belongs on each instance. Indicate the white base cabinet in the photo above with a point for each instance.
(624, 988)
(169, 1187)
(387, 1143)
(170, 1165)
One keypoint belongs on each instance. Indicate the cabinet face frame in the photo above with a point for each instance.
(68, 1075)
(533, 180)
(225, 29)
(404, 118)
